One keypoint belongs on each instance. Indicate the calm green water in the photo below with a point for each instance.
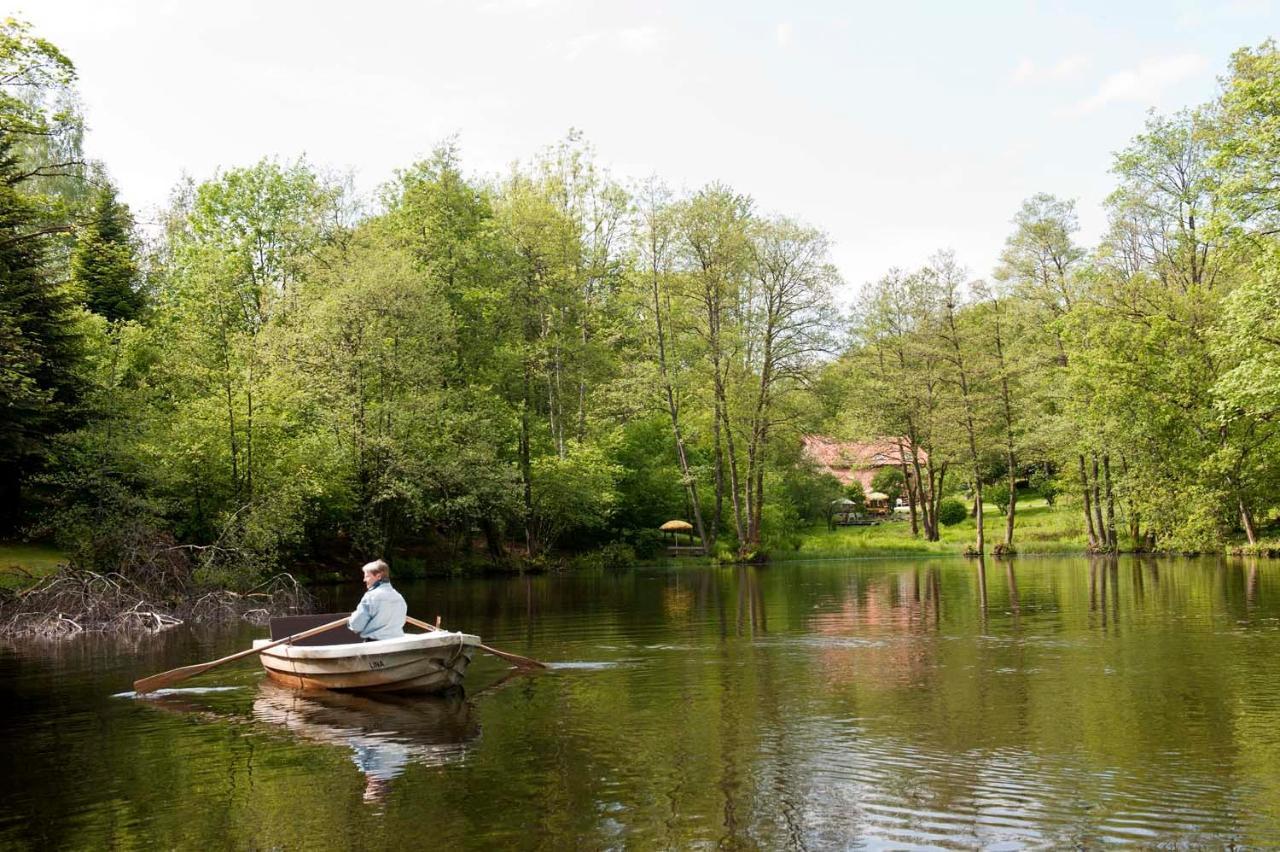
(827, 705)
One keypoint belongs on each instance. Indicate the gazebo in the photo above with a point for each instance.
(843, 512)
(674, 528)
(878, 503)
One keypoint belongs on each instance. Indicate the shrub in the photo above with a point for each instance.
(888, 480)
(1045, 485)
(807, 489)
(646, 543)
(615, 556)
(780, 527)
(859, 497)
(951, 512)
(998, 495)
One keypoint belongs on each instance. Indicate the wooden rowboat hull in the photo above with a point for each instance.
(421, 663)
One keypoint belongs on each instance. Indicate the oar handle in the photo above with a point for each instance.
(158, 681)
(524, 662)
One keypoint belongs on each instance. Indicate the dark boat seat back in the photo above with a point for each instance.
(291, 624)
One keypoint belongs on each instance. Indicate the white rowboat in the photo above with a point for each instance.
(421, 662)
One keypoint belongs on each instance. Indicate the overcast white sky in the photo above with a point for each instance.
(898, 127)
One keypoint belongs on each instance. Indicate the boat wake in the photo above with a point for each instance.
(190, 690)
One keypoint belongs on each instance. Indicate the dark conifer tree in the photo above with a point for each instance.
(103, 264)
(40, 350)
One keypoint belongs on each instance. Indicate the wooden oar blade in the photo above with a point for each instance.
(523, 662)
(160, 681)
(151, 684)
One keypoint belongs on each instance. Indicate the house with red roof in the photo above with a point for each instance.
(860, 461)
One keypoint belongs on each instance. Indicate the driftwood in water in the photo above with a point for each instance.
(74, 601)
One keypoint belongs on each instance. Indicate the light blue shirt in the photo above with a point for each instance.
(380, 614)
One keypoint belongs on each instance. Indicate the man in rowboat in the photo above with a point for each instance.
(381, 612)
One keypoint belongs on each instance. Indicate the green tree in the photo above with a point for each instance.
(104, 266)
(890, 482)
(40, 344)
(238, 250)
(40, 113)
(1247, 144)
(574, 492)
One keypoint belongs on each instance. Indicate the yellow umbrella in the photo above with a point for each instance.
(675, 528)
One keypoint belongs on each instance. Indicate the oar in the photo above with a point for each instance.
(159, 681)
(522, 662)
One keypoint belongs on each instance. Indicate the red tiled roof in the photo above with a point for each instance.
(842, 457)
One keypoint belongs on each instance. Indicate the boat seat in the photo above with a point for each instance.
(290, 624)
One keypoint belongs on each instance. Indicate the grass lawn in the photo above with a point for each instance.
(21, 564)
(1038, 528)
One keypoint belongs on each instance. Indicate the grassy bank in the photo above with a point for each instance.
(1038, 528)
(23, 564)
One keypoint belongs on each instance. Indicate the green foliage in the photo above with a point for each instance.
(1044, 484)
(952, 511)
(889, 481)
(650, 491)
(857, 496)
(997, 495)
(573, 493)
(103, 264)
(614, 556)
(808, 491)
(1249, 334)
(40, 347)
(547, 360)
(781, 528)
(40, 116)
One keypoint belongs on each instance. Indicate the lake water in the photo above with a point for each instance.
(888, 703)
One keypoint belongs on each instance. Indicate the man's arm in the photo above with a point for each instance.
(359, 619)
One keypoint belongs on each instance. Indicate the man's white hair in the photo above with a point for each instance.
(378, 567)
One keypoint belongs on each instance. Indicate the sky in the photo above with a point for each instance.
(899, 128)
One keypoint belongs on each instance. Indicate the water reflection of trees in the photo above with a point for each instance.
(782, 706)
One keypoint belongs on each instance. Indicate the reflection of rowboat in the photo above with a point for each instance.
(425, 662)
(384, 733)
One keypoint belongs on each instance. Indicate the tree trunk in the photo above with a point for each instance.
(1246, 521)
(757, 511)
(963, 376)
(248, 438)
(1111, 509)
(492, 541)
(1013, 505)
(1010, 456)
(718, 453)
(673, 409)
(1088, 511)
(526, 468)
(937, 499)
(734, 486)
(1097, 507)
(924, 501)
(906, 484)
(980, 542)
